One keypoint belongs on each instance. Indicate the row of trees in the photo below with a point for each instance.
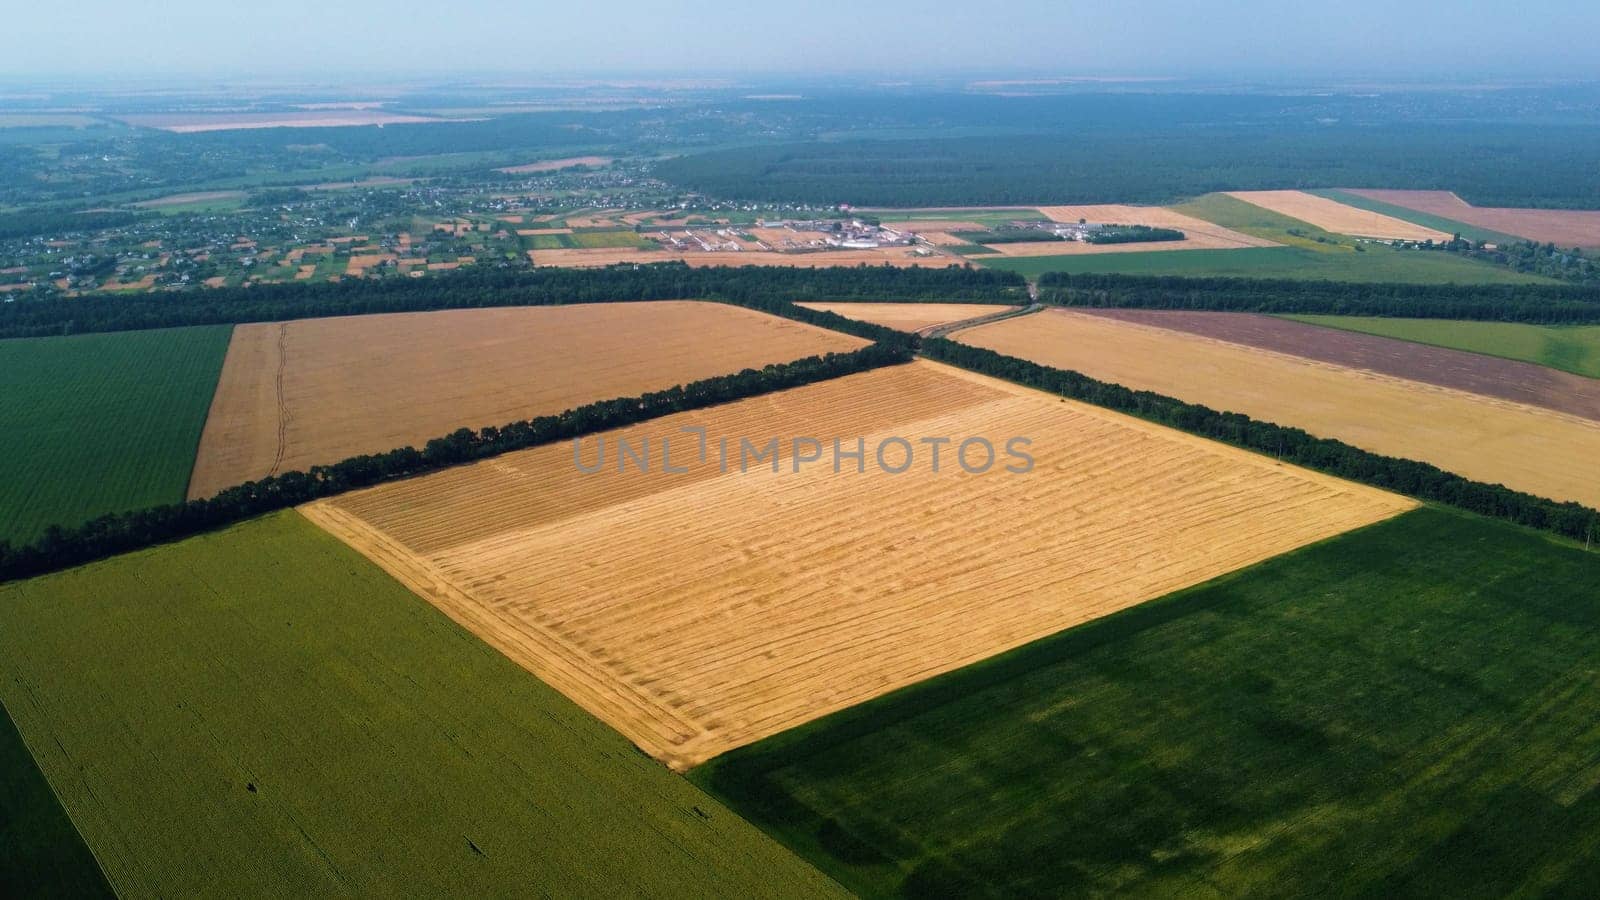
(1404, 476)
(1539, 303)
(119, 533)
(485, 286)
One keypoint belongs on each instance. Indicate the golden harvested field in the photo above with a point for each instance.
(1331, 215)
(1527, 448)
(700, 611)
(1564, 227)
(293, 395)
(910, 316)
(1215, 237)
(553, 165)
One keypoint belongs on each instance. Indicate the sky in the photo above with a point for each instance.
(1195, 38)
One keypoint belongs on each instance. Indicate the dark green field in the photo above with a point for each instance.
(1406, 710)
(100, 423)
(41, 854)
(263, 712)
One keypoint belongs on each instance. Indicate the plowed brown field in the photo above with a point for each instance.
(316, 391)
(697, 612)
(1497, 441)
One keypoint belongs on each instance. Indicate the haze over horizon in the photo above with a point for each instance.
(1548, 39)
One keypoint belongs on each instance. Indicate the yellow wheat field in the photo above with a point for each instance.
(316, 391)
(699, 611)
(910, 316)
(1331, 215)
(1486, 439)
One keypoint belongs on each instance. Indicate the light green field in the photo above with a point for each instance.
(594, 240)
(262, 712)
(1408, 710)
(100, 423)
(1570, 348)
(1426, 220)
(1377, 264)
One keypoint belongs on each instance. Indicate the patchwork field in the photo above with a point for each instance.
(1496, 441)
(1564, 227)
(1417, 217)
(1408, 710)
(292, 395)
(1377, 264)
(1201, 234)
(910, 316)
(702, 610)
(265, 713)
(1520, 382)
(1570, 348)
(100, 423)
(1337, 217)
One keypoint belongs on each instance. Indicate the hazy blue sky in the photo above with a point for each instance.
(1254, 37)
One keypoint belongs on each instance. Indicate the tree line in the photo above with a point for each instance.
(62, 548)
(55, 223)
(1403, 476)
(1533, 303)
(486, 286)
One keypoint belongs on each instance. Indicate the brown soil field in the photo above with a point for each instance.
(1491, 376)
(1157, 217)
(700, 611)
(316, 391)
(910, 316)
(1487, 439)
(525, 232)
(552, 165)
(1564, 227)
(189, 123)
(1331, 215)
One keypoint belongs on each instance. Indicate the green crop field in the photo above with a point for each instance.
(550, 241)
(1570, 348)
(1426, 220)
(1405, 710)
(1377, 264)
(99, 423)
(594, 240)
(41, 854)
(263, 712)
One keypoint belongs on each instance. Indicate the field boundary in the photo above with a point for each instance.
(1418, 480)
(119, 533)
